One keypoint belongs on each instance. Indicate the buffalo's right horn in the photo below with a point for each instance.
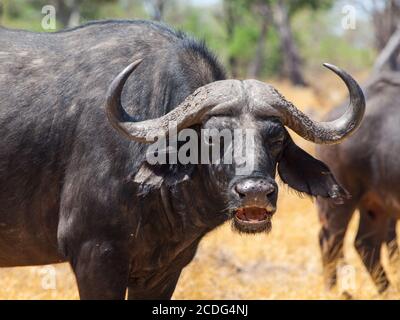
(330, 132)
(189, 112)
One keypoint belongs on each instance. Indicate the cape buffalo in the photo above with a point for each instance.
(75, 184)
(367, 166)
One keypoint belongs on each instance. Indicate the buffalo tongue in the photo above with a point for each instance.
(252, 214)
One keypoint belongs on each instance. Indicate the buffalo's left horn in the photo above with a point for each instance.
(326, 132)
(189, 112)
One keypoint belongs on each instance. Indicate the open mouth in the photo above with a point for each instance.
(252, 219)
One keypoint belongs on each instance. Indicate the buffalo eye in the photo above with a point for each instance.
(276, 145)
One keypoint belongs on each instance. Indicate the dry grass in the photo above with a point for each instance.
(284, 264)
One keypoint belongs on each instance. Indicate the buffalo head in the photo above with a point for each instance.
(256, 108)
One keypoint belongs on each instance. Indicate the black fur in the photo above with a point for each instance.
(367, 166)
(314, 178)
(72, 189)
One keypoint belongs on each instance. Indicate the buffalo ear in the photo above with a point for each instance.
(304, 173)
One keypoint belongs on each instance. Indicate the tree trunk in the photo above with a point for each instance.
(158, 7)
(385, 23)
(387, 58)
(230, 23)
(256, 65)
(75, 16)
(4, 12)
(291, 58)
(68, 12)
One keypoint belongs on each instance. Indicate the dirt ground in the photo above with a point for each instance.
(284, 264)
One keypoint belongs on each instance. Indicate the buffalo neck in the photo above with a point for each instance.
(188, 209)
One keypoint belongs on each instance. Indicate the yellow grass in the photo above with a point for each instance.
(284, 264)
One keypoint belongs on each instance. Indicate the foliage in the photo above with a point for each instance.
(352, 50)
(314, 31)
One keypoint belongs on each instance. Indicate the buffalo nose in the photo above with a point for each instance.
(255, 190)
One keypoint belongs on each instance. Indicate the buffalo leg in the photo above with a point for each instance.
(162, 291)
(101, 270)
(370, 236)
(334, 220)
(392, 244)
(393, 251)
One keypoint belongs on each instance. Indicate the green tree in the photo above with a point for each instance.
(280, 12)
(283, 12)
(233, 11)
(262, 9)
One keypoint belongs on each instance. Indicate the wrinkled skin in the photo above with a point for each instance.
(367, 166)
(71, 189)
